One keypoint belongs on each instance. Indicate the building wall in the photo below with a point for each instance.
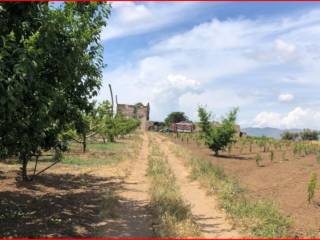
(182, 127)
(137, 112)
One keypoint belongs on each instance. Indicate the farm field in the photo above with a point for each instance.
(283, 181)
(159, 120)
(146, 192)
(140, 187)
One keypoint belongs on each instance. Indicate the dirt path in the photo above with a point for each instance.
(132, 217)
(211, 220)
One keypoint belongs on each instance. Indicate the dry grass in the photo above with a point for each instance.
(259, 218)
(172, 213)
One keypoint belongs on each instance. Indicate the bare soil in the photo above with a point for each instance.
(56, 204)
(65, 201)
(211, 220)
(133, 217)
(282, 181)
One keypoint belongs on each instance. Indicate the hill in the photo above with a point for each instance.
(267, 131)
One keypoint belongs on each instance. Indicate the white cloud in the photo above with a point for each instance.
(130, 18)
(297, 118)
(285, 97)
(196, 66)
(218, 101)
(267, 119)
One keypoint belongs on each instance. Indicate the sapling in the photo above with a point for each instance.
(312, 187)
(258, 159)
(271, 155)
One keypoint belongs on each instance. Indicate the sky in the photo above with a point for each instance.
(261, 57)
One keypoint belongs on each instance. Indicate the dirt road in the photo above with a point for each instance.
(132, 214)
(211, 220)
(132, 217)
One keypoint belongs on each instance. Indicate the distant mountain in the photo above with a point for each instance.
(267, 131)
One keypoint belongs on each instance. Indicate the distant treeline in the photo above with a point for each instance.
(305, 135)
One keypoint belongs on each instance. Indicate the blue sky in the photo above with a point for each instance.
(261, 57)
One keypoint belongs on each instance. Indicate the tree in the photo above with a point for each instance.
(292, 136)
(309, 135)
(51, 64)
(175, 117)
(218, 137)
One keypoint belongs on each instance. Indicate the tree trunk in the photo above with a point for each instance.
(84, 143)
(24, 160)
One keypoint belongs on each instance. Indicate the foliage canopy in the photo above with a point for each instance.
(217, 137)
(175, 117)
(51, 63)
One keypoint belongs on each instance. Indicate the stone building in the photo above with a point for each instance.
(137, 111)
(184, 126)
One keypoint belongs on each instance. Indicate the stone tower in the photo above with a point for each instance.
(137, 111)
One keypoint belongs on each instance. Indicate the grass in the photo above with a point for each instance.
(261, 219)
(100, 154)
(99, 146)
(89, 162)
(172, 213)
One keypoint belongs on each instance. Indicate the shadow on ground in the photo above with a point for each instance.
(54, 205)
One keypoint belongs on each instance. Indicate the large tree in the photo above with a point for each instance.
(175, 117)
(309, 135)
(220, 136)
(287, 135)
(50, 67)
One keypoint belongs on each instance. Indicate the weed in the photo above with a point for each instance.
(169, 208)
(258, 159)
(312, 187)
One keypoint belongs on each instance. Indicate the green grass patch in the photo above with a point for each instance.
(106, 146)
(88, 162)
(173, 214)
(261, 219)
(99, 154)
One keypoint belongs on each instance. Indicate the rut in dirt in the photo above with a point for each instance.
(132, 218)
(211, 220)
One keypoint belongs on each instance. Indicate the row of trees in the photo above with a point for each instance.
(100, 121)
(51, 63)
(305, 135)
